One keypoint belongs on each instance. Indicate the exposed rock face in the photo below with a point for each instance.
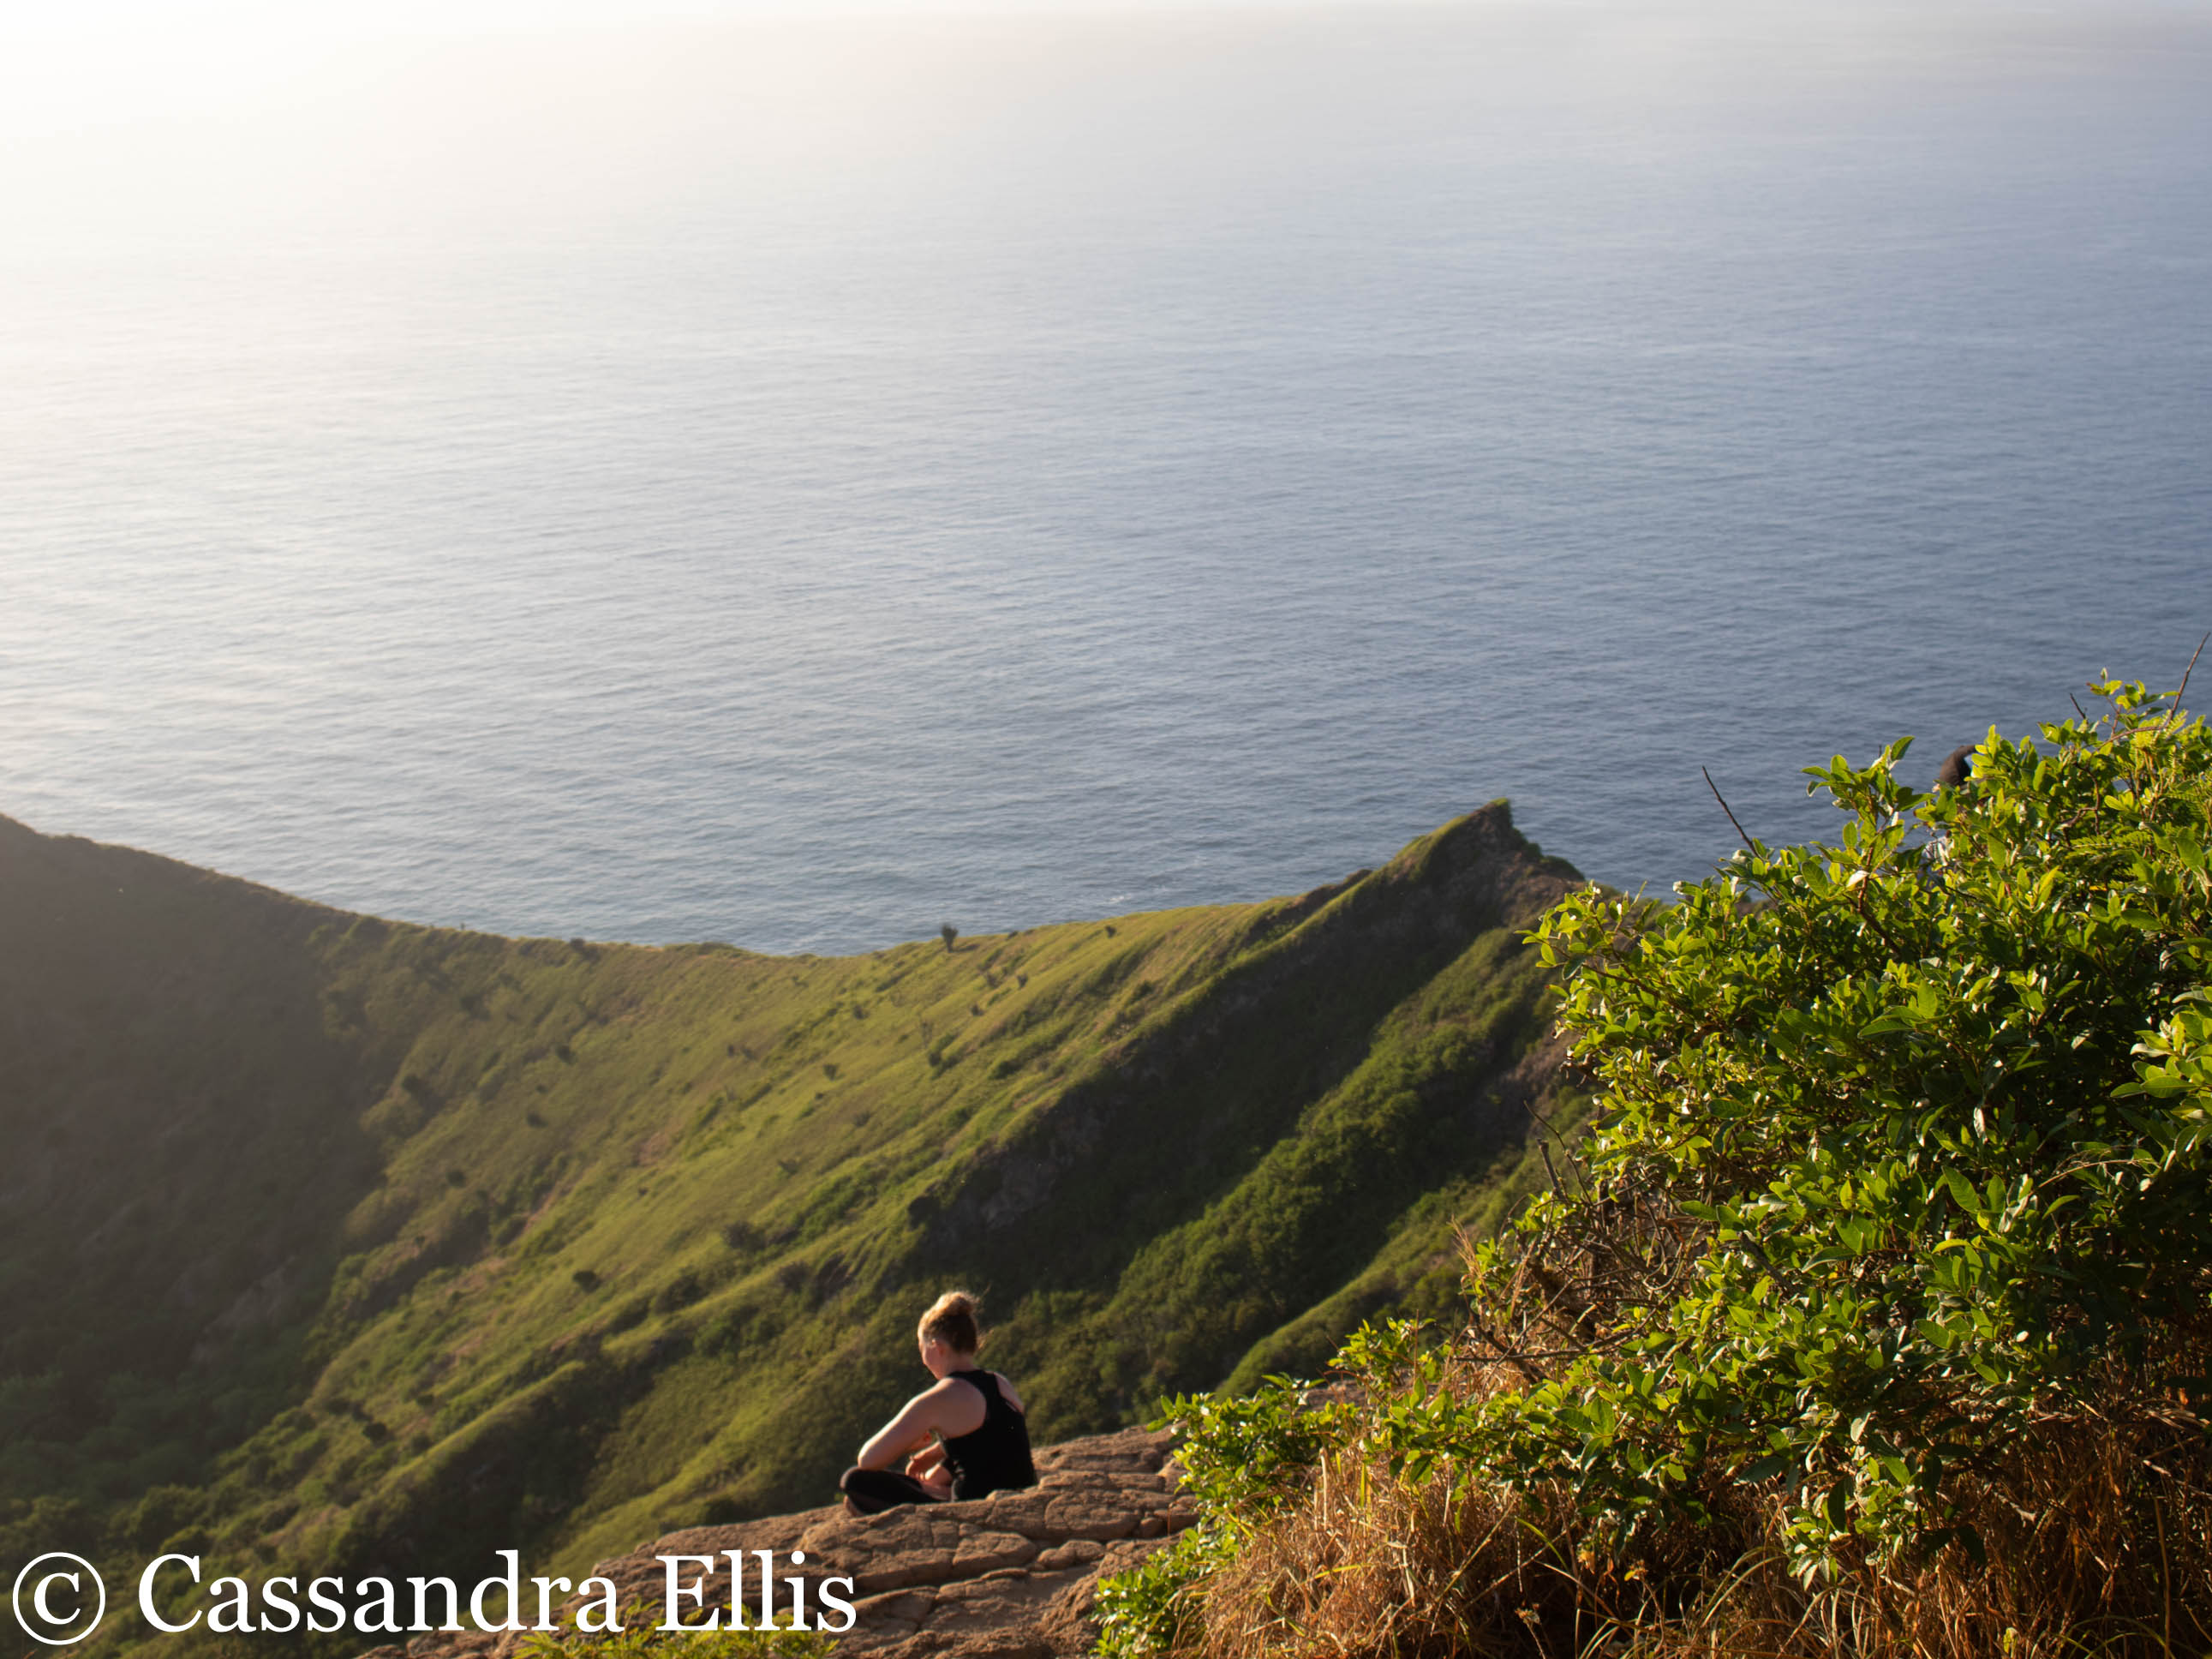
(1007, 1576)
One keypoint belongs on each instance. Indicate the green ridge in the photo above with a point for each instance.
(325, 1240)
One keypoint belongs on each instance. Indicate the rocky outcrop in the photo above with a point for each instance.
(1007, 1576)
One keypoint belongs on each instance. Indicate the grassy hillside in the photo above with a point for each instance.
(325, 1239)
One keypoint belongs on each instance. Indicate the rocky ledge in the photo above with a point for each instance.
(1007, 1576)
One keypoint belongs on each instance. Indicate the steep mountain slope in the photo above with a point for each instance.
(329, 1239)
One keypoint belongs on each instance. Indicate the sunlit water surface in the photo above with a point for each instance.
(798, 484)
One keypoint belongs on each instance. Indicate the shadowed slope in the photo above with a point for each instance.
(181, 1126)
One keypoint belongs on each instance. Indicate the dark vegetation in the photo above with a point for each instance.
(1870, 1316)
(328, 1243)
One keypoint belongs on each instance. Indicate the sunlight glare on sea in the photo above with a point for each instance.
(796, 483)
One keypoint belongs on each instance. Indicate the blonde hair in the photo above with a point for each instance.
(951, 1320)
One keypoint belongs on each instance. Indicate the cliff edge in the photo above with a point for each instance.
(1007, 1576)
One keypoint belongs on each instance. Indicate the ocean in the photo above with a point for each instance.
(799, 483)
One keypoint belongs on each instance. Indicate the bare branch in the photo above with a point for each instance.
(1716, 788)
(2175, 714)
(2192, 669)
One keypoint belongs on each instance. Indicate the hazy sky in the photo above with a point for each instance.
(141, 119)
(94, 61)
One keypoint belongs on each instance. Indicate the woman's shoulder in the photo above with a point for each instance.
(951, 1405)
(969, 1386)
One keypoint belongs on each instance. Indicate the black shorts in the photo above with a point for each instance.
(873, 1490)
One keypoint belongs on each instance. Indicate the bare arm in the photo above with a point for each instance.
(951, 1408)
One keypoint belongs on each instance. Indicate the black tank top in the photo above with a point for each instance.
(996, 1456)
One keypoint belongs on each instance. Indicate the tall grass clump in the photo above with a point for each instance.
(1870, 1317)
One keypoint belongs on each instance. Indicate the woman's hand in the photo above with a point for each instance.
(929, 1467)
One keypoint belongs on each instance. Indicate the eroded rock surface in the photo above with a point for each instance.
(1007, 1576)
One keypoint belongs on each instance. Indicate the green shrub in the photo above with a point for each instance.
(1884, 1262)
(1879, 1176)
(1243, 1462)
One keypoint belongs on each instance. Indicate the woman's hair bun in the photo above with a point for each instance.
(951, 1320)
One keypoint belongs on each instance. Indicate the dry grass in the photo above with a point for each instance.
(2097, 1527)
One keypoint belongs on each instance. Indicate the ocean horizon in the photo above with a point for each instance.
(797, 483)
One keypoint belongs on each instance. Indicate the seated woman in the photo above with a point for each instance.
(963, 1437)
